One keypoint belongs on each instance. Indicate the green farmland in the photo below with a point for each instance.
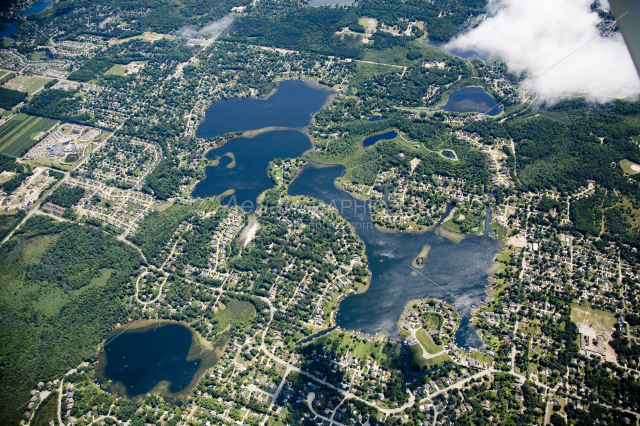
(22, 132)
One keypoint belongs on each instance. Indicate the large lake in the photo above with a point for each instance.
(238, 170)
(292, 105)
(241, 166)
(472, 99)
(164, 357)
(454, 272)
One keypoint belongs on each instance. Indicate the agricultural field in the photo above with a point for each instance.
(22, 132)
(26, 84)
(601, 321)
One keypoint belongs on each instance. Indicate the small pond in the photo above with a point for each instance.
(472, 99)
(375, 138)
(163, 357)
(377, 118)
(449, 154)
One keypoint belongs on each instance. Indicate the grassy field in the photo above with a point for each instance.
(117, 69)
(427, 343)
(601, 321)
(369, 24)
(635, 138)
(431, 321)
(627, 167)
(27, 84)
(146, 36)
(426, 364)
(6, 76)
(17, 135)
(365, 71)
(239, 310)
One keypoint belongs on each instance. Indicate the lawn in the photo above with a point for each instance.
(117, 69)
(431, 321)
(629, 167)
(427, 343)
(601, 321)
(425, 364)
(26, 84)
(635, 138)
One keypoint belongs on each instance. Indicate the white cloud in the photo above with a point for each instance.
(210, 29)
(549, 39)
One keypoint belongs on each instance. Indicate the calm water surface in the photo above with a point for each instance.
(472, 99)
(248, 177)
(456, 273)
(164, 356)
(8, 29)
(36, 7)
(292, 105)
(375, 138)
(377, 118)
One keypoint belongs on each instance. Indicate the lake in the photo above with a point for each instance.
(292, 105)
(375, 138)
(242, 165)
(36, 7)
(8, 29)
(453, 272)
(472, 99)
(163, 357)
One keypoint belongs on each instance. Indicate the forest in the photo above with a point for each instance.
(63, 289)
(157, 228)
(313, 29)
(65, 196)
(58, 105)
(10, 98)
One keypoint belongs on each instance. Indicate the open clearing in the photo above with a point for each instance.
(20, 133)
(117, 69)
(427, 343)
(629, 167)
(146, 36)
(240, 311)
(426, 364)
(26, 84)
(369, 24)
(601, 321)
